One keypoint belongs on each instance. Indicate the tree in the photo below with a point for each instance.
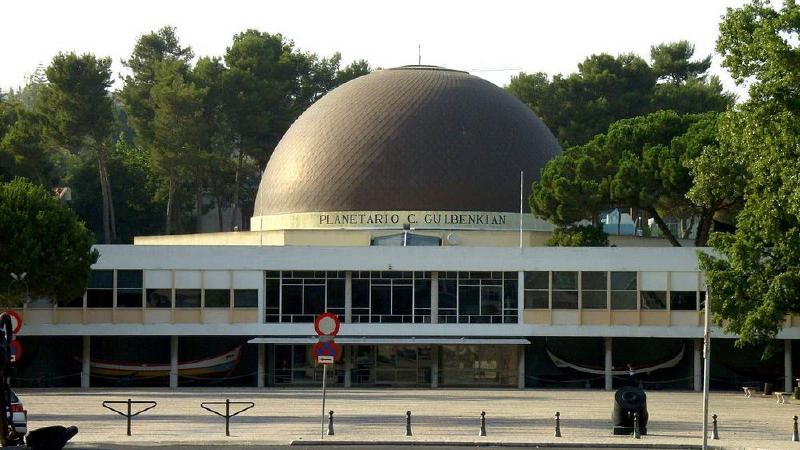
(672, 62)
(43, 239)
(578, 236)
(78, 109)
(23, 146)
(754, 276)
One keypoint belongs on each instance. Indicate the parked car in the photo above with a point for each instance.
(19, 417)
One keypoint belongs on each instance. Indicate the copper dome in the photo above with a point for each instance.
(411, 138)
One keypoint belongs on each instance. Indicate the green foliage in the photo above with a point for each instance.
(578, 236)
(578, 106)
(754, 274)
(43, 239)
(23, 145)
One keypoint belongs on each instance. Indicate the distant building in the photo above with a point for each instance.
(394, 201)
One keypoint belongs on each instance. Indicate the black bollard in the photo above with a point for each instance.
(714, 432)
(558, 425)
(636, 433)
(408, 423)
(483, 424)
(795, 436)
(330, 423)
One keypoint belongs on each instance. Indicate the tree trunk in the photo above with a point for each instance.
(198, 203)
(109, 227)
(663, 227)
(170, 204)
(704, 228)
(218, 199)
(237, 186)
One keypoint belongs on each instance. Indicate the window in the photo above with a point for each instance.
(245, 298)
(159, 298)
(391, 297)
(218, 298)
(272, 296)
(304, 294)
(565, 290)
(683, 300)
(187, 298)
(537, 285)
(100, 293)
(478, 297)
(654, 300)
(594, 290)
(623, 290)
(129, 288)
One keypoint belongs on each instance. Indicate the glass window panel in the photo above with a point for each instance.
(623, 299)
(536, 300)
(491, 300)
(422, 293)
(623, 281)
(100, 298)
(537, 280)
(565, 299)
(129, 298)
(292, 302)
(101, 279)
(272, 274)
(218, 298)
(361, 293)
(594, 299)
(402, 300)
(654, 300)
(593, 280)
(187, 298)
(159, 298)
(683, 300)
(381, 300)
(314, 300)
(447, 294)
(272, 293)
(510, 294)
(468, 300)
(129, 279)
(336, 293)
(565, 280)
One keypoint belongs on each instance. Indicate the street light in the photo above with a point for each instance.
(20, 279)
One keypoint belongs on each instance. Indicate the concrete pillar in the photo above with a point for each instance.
(270, 364)
(434, 366)
(434, 297)
(348, 365)
(787, 366)
(86, 365)
(173, 361)
(260, 372)
(609, 364)
(697, 380)
(521, 367)
(520, 297)
(348, 297)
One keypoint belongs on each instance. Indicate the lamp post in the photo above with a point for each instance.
(19, 279)
(706, 365)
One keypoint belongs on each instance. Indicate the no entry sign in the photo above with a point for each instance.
(16, 320)
(327, 324)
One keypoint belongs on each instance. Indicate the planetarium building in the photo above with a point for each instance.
(399, 203)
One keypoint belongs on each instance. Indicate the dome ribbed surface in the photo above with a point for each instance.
(411, 138)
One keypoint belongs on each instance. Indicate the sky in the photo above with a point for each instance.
(493, 39)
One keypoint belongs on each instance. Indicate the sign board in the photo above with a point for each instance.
(16, 320)
(327, 324)
(16, 351)
(325, 359)
(326, 349)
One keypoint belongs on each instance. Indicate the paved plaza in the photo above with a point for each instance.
(442, 415)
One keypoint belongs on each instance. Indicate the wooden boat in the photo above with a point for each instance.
(637, 369)
(215, 366)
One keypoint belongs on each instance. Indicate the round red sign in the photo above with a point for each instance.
(16, 320)
(16, 350)
(327, 324)
(326, 348)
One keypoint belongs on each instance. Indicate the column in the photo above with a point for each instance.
(270, 364)
(348, 297)
(697, 380)
(260, 372)
(520, 297)
(86, 361)
(173, 361)
(348, 365)
(609, 365)
(434, 366)
(521, 367)
(787, 366)
(434, 297)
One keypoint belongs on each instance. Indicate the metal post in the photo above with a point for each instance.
(636, 433)
(408, 423)
(714, 431)
(706, 366)
(330, 423)
(324, 377)
(558, 425)
(795, 437)
(129, 417)
(227, 417)
(483, 424)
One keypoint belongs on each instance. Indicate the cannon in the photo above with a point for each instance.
(629, 401)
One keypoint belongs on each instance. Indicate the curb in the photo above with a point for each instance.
(650, 445)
